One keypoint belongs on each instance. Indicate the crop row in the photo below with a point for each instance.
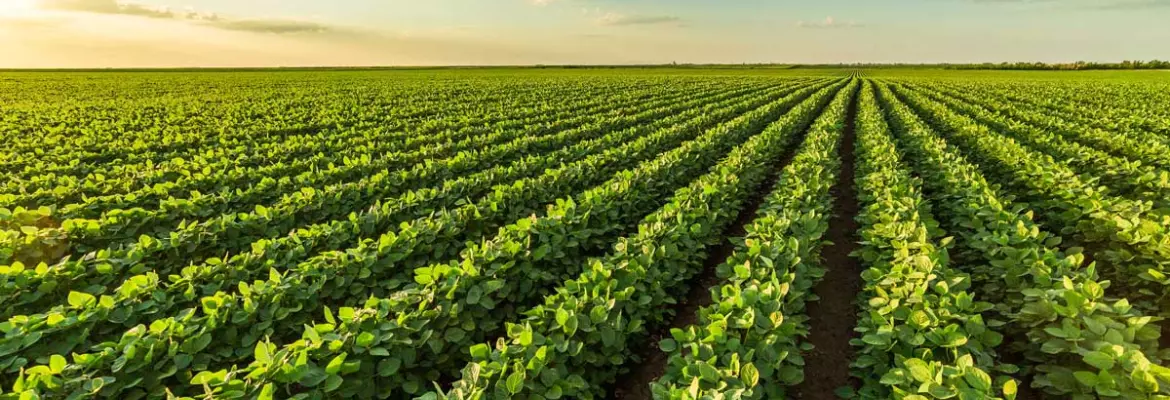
(415, 243)
(309, 239)
(157, 131)
(747, 343)
(208, 220)
(1098, 105)
(1128, 178)
(116, 144)
(306, 161)
(922, 331)
(235, 232)
(1088, 343)
(1128, 238)
(576, 340)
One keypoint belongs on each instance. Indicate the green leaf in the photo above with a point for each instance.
(480, 352)
(365, 339)
(978, 379)
(335, 364)
(39, 370)
(919, 319)
(268, 393)
(455, 335)
(553, 392)
(1094, 326)
(422, 276)
(389, 366)
(261, 353)
(474, 295)
(1010, 389)
(876, 340)
(209, 377)
(749, 375)
(1094, 290)
(895, 377)
(598, 314)
(708, 373)
(791, 375)
(845, 392)
(411, 386)
(920, 370)
(516, 382)
(329, 316)
(526, 337)
(571, 325)
(668, 345)
(311, 334)
(942, 392)
(1144, 381)
(57, 363)
(333, 382)
(1100, 360)
(742, 271)
(1086, 378)
(79, 299)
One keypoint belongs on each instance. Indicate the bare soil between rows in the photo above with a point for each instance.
(833, 317)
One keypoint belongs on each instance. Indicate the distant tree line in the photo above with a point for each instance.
(1031, 66)
(1035, 66)
(1079, 65)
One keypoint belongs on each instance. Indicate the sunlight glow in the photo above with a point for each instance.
(12, 8)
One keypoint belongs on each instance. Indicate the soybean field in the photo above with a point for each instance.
(557, 233)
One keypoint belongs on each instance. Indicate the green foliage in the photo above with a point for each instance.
(634, 281)
(747, 344)
(213, 300)
(1080, 342)
(922, 333)
(379, 234)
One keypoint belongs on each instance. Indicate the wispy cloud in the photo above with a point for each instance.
(1133, 4)
(1087, 4)
(115, 7)
(615, 19)
(828, 22)
(109, 7)
(271, 26)
(1011, 1)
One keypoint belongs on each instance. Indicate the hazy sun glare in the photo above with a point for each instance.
(16, 7)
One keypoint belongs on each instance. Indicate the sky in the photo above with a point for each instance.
(258, 33)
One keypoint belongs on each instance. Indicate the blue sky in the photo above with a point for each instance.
(112, 33)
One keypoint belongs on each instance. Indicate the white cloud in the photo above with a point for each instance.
(73, 36)
(828, 22)
(617, 19)
(116, 7)
(107, 7)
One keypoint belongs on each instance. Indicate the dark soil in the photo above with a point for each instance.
(833, 317)
(1164, 340)
(1010, 342)
(635, 385)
